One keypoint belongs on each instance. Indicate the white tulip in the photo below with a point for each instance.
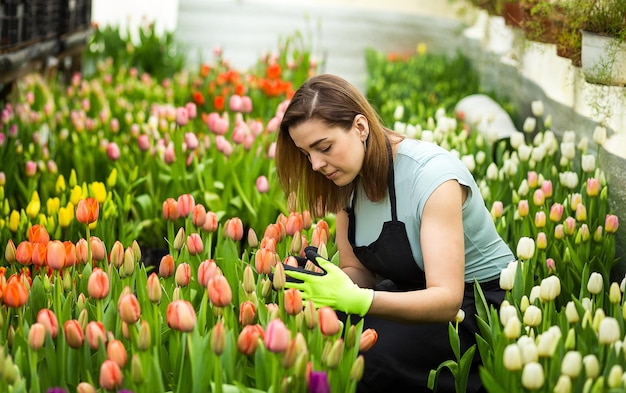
(599, 135)
(569, 136)
(512, 357)
(492, 171)
(588, 163)
(550, 288)
(571, 312)
(428, 136)
(525, 248)
(572, 364)
(592, 366)
(516, 140)
(568, 150)
(530, 123)
(532, 316)
(615, 377)
(506, 313)
(535, 293)
(563, 385)
(609, 331)
(537, 108)
(595, 283)
(533, 376)
(469, 162)
(507, 279)
(399, 112)
(513, 328)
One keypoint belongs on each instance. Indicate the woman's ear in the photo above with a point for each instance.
(362, 126)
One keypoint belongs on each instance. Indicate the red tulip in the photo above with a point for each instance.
(98, 284)
(220, 293)
(87, 211)
(181, 316)
(110, 375)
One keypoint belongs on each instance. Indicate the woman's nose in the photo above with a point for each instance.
(317, 162)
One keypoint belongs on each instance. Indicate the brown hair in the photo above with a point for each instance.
(335, 102)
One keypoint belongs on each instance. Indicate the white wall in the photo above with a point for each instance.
(131, 13)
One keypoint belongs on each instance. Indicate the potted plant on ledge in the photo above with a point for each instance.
(604, 43)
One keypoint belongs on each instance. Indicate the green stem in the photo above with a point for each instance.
(182, 360)
(218, 375)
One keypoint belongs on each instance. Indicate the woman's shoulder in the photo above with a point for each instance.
(420, 151)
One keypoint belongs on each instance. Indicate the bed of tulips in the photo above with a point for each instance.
(99, 172)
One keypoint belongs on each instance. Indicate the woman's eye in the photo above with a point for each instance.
(325, 149)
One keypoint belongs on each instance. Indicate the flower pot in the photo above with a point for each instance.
(603, 59)
(512, 13)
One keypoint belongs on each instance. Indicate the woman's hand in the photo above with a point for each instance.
(332, 288)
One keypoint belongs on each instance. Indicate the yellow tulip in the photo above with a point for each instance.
(76, 195)
(66, 215)
(112, 179)
(14, 220)
(52, 205)
(60, 186)
(33, 207)
(98, 191)
(73, 180)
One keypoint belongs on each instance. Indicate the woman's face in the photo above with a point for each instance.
(334, 152)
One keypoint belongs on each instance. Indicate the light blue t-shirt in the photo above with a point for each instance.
(419, 168)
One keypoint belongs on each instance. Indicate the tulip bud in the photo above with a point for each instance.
(218, 338)
(183, 274)
(525, 248)
(512, 357)
(614, 379)
(85, 387)
(249, 284)
(533, 376)
(36, 336)
(611, 223)
(532, 316)
(598, 317)
(329, 322)
(166, 266)
(507, 279)
(154, 288)
(563, 385)
(571, 312)
(179, 240)
(571, 364)
(110, 375)
(595, 283)
(608, 331)
(570, 340)
(550, 288)
(144, 338)
(356, 371)
(117, 352)
(522, 208)
(276, 336)
(615, 295)
(136, 370)
(513, 328)
(266, 288)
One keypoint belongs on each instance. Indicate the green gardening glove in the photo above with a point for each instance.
(332, 288)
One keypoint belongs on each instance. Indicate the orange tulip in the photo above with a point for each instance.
(247, 312)
(24, 253)
(320, 234)
(85, 387)
(248, 339)
(329, 323)
(368, 339)
(98, 284)
(272, 231)
(128, 308)
(49, 320)
(70, 254)
(15, 293)
(97, 249)
(170, 210)
(293, 301)
(195, 244)
(81, 251)
(295, 223)
(117, 352)
(206, 271)
(87, 211)
(36, 336)
(38, 234)
(110, 375)
(73, 333)
(154, 288)
(233, 228)
(55, 255)
(181, 316)
(185, 205)
(166, 267)
(96, 333)
(264, 260)
(39, 254)
(210, 223)
(220, 293)
(116, 256)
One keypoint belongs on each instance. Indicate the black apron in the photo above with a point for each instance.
(404, 354)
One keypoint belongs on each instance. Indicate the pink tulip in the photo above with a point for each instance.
(166, 266)
(113, 151)
(110, 375)
(593, 187)
(170, 209)
(36, 336)
(128, 308)
(247, 313)
(611, 223)
(522, 208)
(248, 339)
(143, 141)
(277, 336)
(49, 320)
(329, 322)
(192, 110)
(185, 204)
(556, 212)
(191, 141)
(233, 228)
(182, 116)
(210, 223)
(206, 271)
(31, 168)
(262, 185)
(195, 244)
(98, 284)
(546, 187)
(95, 334)
(55, 254)
(73, 333)
(117, 352)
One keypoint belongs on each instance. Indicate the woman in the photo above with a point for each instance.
(412, 232)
